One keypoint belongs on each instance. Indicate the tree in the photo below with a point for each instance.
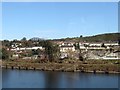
(6, 43)
(119, 42)
(24, 39)
(51, 50)
(111, 49)
(103, 45)
(81, 36)
(80, 54)
(5, 54)
(0, 53)
(27, 43)
(77, 47)
(35, 52)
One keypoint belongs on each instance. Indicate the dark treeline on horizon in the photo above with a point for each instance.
(107, 37)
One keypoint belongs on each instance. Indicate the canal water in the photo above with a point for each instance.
(47, 79)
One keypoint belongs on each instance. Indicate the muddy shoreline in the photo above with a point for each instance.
(102, 72)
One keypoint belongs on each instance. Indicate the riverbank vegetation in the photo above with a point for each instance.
(111, 66)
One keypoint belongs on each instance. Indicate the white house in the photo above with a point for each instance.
(67, 48)
(111, 44)
(28, 48)
(96, 46)
(113, 55)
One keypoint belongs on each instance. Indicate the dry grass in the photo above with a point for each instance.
(72, 65)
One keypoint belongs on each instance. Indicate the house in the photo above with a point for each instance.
(15, 45)
(97, 46)
(113, 55)
(27, 48)
(15, 56)
(35, 57)
(27, 58)
(111, 44)
(67, 48)
(63, 55)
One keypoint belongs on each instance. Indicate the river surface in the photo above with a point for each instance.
(46, 79)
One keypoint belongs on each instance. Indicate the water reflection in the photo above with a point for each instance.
(51, 80)
(40, 79)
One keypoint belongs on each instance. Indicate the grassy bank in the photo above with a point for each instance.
(111, 66)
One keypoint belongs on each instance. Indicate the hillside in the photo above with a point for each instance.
(108, 37)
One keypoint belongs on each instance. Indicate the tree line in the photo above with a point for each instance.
(51, 51)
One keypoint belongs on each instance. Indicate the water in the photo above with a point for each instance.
(0, 78)
(45, 79)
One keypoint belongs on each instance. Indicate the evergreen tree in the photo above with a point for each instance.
(5, 54)
(51, 50)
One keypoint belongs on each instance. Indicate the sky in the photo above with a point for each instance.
(53, 20)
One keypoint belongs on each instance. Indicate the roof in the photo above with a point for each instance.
(67, 46)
